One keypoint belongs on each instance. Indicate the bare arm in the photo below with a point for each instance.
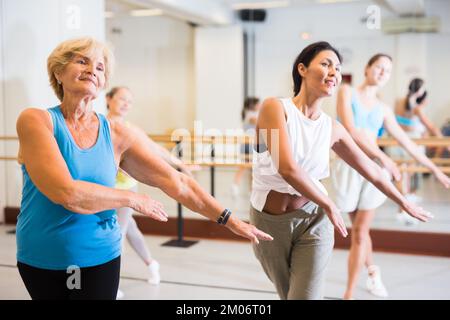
(165, 154)
(253, 120)
(272, 119)
(345, 114)
(427, 122)
(397, 132)
(48, 170)
(346, 148)
(144, 165)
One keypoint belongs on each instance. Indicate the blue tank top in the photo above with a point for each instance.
(364, 119)
(52, 237)
(407, 122)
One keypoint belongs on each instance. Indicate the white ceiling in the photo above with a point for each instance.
(123, 6)
(207, 11)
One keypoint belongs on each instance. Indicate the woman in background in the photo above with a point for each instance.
(410, 114)
(249, 116)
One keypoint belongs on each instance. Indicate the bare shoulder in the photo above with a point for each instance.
(32, 117)
(337, 128)
(399, 105)
(388, 112)
(271, 105)
(122, 135)
(345, 88)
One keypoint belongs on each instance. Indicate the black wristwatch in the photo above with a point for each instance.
(224, 217)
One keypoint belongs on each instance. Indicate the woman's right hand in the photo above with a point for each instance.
(416, 212)
(334, 214)
(149, 207)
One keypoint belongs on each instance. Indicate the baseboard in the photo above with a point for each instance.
(408, 242)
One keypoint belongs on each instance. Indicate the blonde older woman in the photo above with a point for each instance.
(68, 240)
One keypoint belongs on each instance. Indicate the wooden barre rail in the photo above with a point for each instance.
(442, 161)
(383, 142)
(163, 138)
(409, 169)
(428, 142)
(218, 162)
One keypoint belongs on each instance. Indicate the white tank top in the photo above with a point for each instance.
(310, 144)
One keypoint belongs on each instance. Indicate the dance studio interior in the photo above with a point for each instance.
(178, 93)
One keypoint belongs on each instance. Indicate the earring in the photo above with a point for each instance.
(59, 82)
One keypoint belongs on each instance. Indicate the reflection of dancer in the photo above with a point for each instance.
(410, 114)
(294, 137)
(119, 102)
(363, 114)
(70, 155)
(249, 117)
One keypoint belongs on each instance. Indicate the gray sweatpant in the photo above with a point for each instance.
(297, 258)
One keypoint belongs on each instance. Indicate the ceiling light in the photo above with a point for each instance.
(305, 35)
(146, 13)
(260, 5)
(334, 1)
(109, 14)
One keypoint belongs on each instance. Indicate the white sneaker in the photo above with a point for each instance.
(374, 283)
(120, 295)
(406, 219)
(234, 190)
(153, 276)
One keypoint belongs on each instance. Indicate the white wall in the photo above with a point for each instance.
(154, 58)
(438, 67)
(3, 183)
(30, 31)
(219, 67)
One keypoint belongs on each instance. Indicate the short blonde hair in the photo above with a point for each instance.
(64, 53)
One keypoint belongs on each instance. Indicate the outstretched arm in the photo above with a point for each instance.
(40, 154)
(398, 134)
(142, 163)
(432, 129)
(346, 148)
(370, 148)
(167, 156)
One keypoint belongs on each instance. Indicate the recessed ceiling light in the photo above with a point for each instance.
(109, 14)
(260, 5)
(305, 35)
(146, 12)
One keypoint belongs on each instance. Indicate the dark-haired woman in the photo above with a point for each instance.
(362, 113)
(291, 156)
(249, 116)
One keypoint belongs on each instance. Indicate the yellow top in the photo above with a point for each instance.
(123, 180)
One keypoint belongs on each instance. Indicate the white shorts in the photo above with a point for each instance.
(352, 191)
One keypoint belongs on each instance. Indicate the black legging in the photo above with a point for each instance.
(97, 283)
